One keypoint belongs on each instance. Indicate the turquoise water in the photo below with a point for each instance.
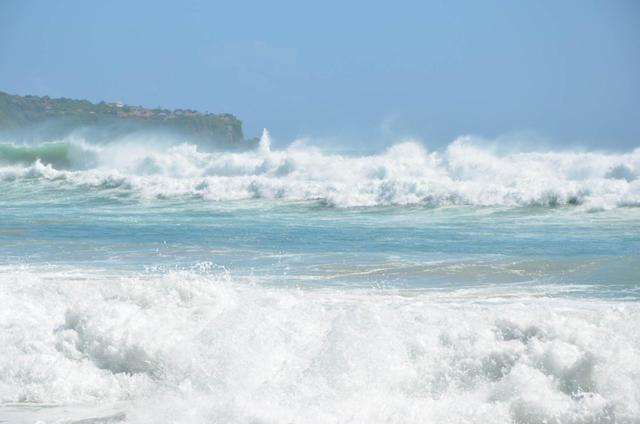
(306, 243)
(302, 286)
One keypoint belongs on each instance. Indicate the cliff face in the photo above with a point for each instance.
(40, 119)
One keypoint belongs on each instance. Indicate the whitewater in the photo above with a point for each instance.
(146, 281)
(405, 174)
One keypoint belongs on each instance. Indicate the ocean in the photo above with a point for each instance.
(142, 283)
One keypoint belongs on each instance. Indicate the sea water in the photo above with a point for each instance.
(142, 284)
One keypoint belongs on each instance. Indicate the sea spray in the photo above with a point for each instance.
(404, 174)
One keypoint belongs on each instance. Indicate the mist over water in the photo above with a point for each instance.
(149, 282)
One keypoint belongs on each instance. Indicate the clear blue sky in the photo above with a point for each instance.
(568, 71)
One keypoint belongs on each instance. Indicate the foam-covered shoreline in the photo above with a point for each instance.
(194, 347)
(405, 174)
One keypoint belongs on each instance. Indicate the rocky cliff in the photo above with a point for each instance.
(41, 119)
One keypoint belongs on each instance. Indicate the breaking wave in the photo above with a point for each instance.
(405, 174)
(200, 347)
(62, 155)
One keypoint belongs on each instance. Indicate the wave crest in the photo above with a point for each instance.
(61, 155)
(404, 174)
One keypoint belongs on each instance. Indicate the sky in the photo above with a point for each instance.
(565, 73)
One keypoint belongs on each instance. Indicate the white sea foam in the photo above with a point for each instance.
(193, 347)
(404, 174)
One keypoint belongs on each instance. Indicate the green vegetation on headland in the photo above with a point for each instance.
(41, 119)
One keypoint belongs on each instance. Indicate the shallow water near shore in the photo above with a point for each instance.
(179, 286)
